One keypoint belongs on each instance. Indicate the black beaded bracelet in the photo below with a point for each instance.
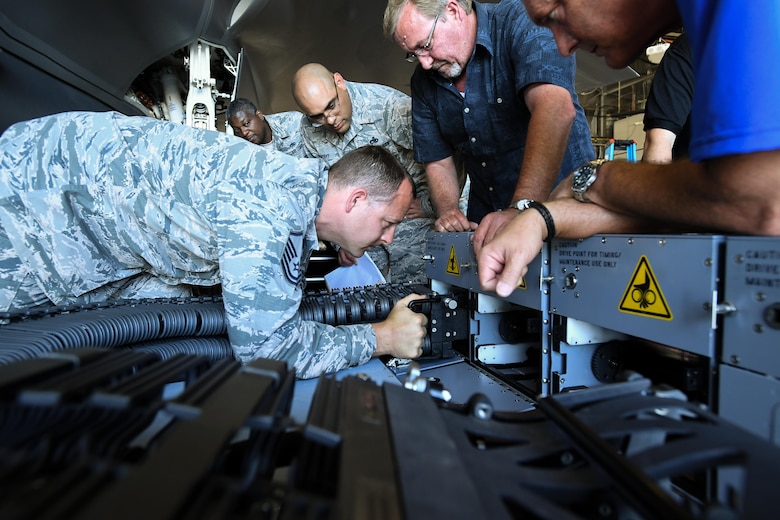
(547, 216)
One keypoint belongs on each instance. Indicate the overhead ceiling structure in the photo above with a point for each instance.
(85, 54)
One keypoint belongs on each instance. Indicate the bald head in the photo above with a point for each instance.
(310, 80)
(322, 95)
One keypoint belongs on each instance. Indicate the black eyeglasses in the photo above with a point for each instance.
(319, 119)
(411, 57)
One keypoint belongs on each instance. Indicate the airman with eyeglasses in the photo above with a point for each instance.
(319, 119)
(322, 97)
(345, 114)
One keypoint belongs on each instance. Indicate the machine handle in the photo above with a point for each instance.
(417, 305)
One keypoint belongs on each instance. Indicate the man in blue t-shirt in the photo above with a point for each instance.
(731, 183)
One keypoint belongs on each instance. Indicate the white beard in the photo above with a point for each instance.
(455, 71)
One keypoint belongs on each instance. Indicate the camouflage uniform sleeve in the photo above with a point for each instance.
(265, 231)
(286, 128)
(398, 118)
(309, 141)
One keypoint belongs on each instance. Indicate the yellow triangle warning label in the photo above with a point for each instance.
(452, 263)
(643, 295)
(522, 284)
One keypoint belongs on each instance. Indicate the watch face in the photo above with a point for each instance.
(582, 178)
(582, 175)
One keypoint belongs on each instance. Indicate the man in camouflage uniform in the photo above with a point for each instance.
(281, 131)
(93, 205)
(344, 115)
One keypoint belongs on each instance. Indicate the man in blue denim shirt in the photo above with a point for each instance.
(493, 86)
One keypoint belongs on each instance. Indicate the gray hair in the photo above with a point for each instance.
(429, 8)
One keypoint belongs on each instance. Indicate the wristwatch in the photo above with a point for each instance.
(583, 177)
(520, 205)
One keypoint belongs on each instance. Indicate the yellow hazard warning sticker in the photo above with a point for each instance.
(453, 267)
(643, 295)
(522, 285)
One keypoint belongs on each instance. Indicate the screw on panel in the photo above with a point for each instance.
(772, 316)
(739, 259)
(567, 458)
(605, 510)
(480, 406)
(722, 308)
